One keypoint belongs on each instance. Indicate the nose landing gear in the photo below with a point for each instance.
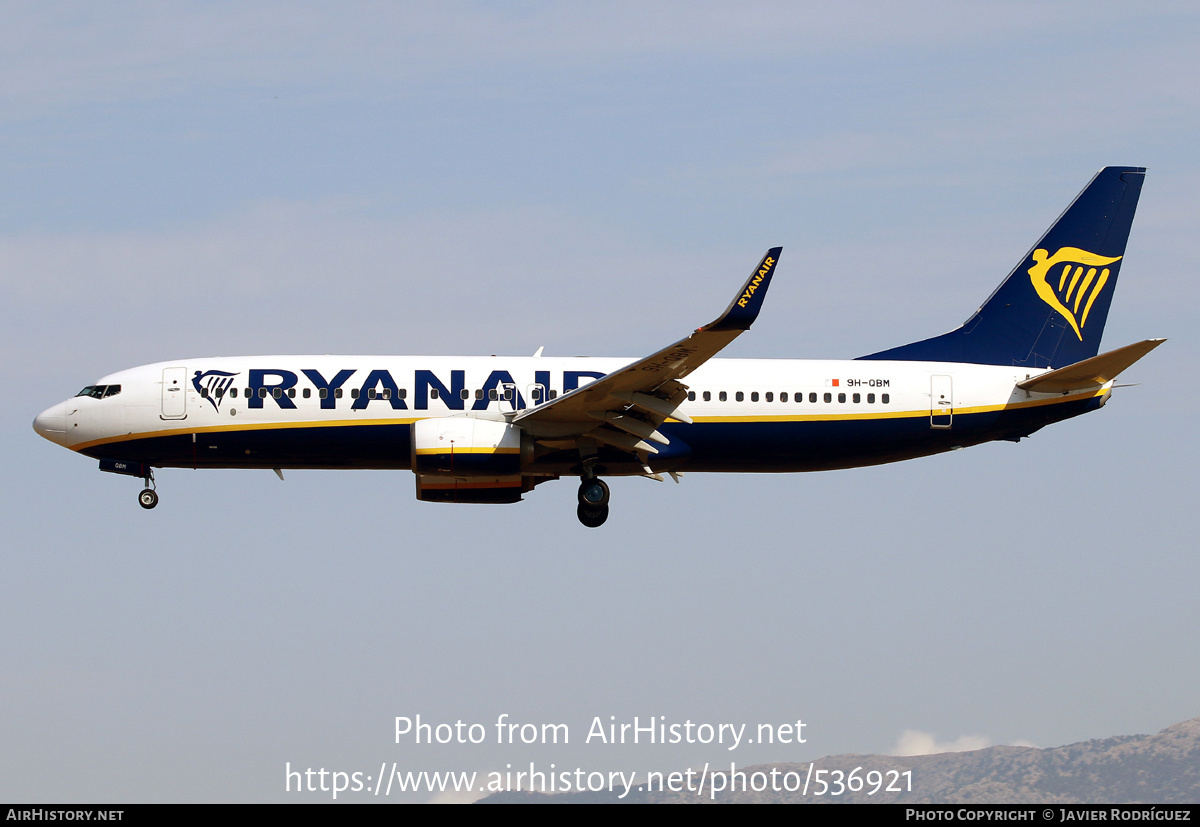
(593, 502)
(148, 498)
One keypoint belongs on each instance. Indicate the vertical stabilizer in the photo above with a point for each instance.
(1051, 309)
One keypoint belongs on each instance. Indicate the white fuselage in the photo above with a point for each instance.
(270, 406)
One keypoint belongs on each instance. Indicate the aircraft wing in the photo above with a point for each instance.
(625, 407)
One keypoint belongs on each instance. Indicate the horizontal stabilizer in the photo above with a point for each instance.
(1090, 372)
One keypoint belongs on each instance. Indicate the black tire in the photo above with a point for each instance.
(592, 516)
(148, 498)
(593, 493)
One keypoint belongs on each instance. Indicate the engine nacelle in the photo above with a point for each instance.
(462, 446)
(466, 460)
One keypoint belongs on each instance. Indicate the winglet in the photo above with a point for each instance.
(743, 310)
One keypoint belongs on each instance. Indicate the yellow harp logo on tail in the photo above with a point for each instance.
(1079, 275)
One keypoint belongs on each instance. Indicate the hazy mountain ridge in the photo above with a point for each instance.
(1162, 768)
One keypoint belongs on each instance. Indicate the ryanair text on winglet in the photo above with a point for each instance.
(756, 281)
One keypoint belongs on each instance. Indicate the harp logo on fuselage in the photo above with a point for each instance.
(1081, 277)
(212, 384)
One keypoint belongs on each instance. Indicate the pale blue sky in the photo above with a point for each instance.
(199, 179)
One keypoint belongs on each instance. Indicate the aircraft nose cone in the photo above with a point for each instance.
(52, 423)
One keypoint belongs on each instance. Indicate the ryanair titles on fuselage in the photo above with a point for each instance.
(379, 385)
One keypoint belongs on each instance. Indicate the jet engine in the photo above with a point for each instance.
(464, 459)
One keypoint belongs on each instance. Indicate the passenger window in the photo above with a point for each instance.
(783, 397)
(307, 393)
(464, 394)
(691, 396)
(262, 393)
(493, 394)
(722, 396)
(402, 393)
(233, 393)
(354, 393)
(323, 393)
(771, 397)
(337, 394)
(508, 394)
(870, 399)
(708, 396)
(479, 393)
(433, 393)
(204, 393)
(829, 397)
(885, 399)
(812, 397)
(857, 398)
(841, 397)
(387, 393)
(754, 396)
(371, 393)
(553, 394)
(739, 396)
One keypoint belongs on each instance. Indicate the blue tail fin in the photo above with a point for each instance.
(1050, 311)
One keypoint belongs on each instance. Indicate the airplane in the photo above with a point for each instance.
(490, 429)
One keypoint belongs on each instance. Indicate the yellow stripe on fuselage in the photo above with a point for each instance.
(880, 414)
(453, 486)
(445, 451)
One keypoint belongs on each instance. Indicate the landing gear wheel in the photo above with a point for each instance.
(593, 493)
(148, 498)
(592, 516)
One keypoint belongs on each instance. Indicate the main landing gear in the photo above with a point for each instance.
(593, 502)
(149, 497)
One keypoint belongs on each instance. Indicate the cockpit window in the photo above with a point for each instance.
(100, 391)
